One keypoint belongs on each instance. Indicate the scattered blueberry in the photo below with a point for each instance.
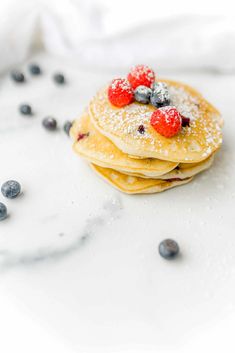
(141, 129)
(160, 96)
(168, 248)
(185, 121)
(34, 69)
(49, 123)
(25, 109)
(17, 76)
(11, 189)
(59, 78)
(67, 127)
(3, 212)
(142, 94)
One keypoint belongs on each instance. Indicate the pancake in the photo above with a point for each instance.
(192, 144)
(183, 171)
(99, 150)
(136, 185)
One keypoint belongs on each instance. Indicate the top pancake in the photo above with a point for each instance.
(191, 144)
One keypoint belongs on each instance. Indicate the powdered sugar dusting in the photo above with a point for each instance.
(143, 70)
(202, 136)
(186, 104)
(121, 83)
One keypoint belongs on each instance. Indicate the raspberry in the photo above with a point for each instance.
(120, 92)
(141, 75)
(166, 121)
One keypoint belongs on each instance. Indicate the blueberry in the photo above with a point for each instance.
(159, 86)
(142, 94)
(159, 100)
(17, 76)
(34, 69)
(3, 212)
(59, 78)
(160, 96)
(11, 189)
(67, 127)
(168, 248)
(25, 109)
(49, 123)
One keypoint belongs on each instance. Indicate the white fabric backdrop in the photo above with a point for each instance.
(103, 34)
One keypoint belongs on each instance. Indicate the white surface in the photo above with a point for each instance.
(101, 286)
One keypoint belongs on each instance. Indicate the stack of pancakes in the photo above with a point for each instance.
(122, 146)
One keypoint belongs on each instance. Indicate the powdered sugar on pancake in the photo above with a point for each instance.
(186, 104)
(203, 136)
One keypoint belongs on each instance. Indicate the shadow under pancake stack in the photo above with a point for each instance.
(146, 135)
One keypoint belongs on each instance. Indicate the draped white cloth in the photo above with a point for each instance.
(74, 28)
